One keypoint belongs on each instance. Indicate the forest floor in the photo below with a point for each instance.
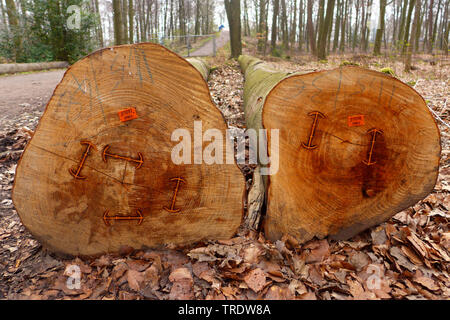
(406, 257)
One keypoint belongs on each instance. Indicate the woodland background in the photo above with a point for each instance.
(408, 256)
(37, 30)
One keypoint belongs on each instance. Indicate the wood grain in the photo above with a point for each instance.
(351, 180)
(336, 176)
(67, 214)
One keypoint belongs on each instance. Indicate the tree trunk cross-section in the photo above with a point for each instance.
(98, 173)
(355, 147)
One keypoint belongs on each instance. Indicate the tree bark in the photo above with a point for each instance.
(380, 30)
(134, 194)
(233, 9)
(197, 18)
(337, 25)
(343, 28)
(284, 25)
(273, 38)
(13, 21)
(412, 37)
(118, 25)
(446, 34)
(311, 32)
(201, 66)
(342, 151)
(324, 30)
(131, 21)
(262, 26)
(99, 28)
(3, 10)
(301, 36)
(124, 13)
(408, 25)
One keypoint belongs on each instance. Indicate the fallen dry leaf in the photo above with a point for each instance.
(256, 279)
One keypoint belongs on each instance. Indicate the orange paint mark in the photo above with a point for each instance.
(127, 114)
(356, 121)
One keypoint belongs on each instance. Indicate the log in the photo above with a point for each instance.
(26, 67)
(259, 80)
(355, 147)
(99, 173)
(201, 66)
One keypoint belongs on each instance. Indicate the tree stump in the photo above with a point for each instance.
(99, 174)
(355, 147)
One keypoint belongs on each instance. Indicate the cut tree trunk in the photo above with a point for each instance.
(27, 67)
(201, 66)
(355, 147)
(99, 175)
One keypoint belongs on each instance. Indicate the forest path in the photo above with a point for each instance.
(21, 93)
(208, 48)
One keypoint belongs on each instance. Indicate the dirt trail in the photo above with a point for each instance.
(208, 48)
(26, 92)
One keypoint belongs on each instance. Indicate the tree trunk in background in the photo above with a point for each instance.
(293, 25)
(172, 24)
(408, 25)
(380, 30)
(401, 32)
(246, 23)
(419, 26)
(262, 26)
(337, 25)
(118, 25)
(446, 34)
(343, 26)
(435, 22)
(197, 18)
(156, 19)
(2, 9)
(368, 19)
(355, 31)
(14, 29)
(131, 21)
(124, 13)
(233, 9)
(363, 25)
(303, 115)
(182, 19)
(324, 29)
(273, 38)
(310, 26)
(412, 37)
(284, 25)
(266, 32)
(99, 27)
(300, 26)
(320, 19)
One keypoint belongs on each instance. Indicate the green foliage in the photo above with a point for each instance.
(276, 53)
(45, 33)
(388, 71)
(412, 83)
